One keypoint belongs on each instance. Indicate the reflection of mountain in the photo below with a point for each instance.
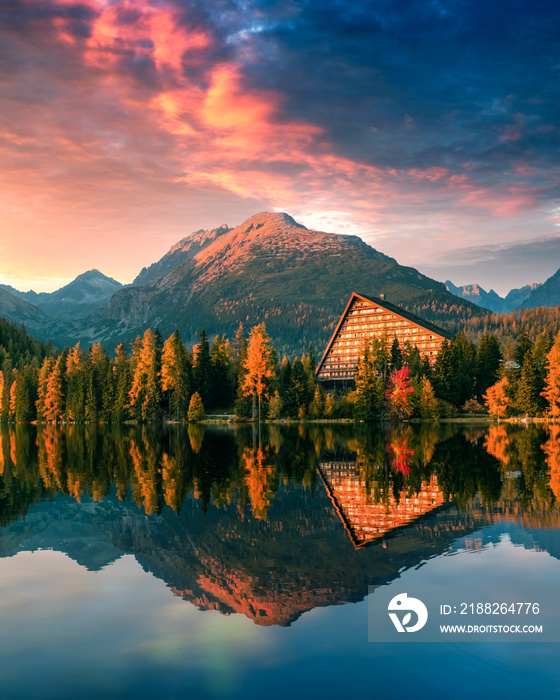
(195, 518)
(369, 520)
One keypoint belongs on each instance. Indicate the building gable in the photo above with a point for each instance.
(369, 318)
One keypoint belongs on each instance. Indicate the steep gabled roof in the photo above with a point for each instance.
(431, 327)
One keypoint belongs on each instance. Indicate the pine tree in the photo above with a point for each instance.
(56, 391)
(196, 408)
(176, 376)
(145, 395)
(223, 372)
(369, 387)
(44, 374)
(428, 401)
(75, 385)
(122, 384)
(202, 371)
(487, 364)
(396, 356)
(528, 396)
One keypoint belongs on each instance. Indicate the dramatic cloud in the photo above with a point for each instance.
(423, 127)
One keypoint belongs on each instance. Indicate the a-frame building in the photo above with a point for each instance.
(366, 318)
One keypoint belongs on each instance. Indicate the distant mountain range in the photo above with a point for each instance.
(270, 268)
(531, 296)
(88, 292)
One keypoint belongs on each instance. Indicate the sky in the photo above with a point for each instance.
(430, 128)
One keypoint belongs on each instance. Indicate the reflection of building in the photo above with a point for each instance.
(367, 318)
(365, 521)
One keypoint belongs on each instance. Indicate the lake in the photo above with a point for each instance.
(236, 562)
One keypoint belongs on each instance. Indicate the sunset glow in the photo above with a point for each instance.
(430, 131)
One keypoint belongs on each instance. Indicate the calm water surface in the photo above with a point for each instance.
(235, 563)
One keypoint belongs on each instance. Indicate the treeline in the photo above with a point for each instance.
(542, 321)
(529, 383)
(157, 379)
(19, 349)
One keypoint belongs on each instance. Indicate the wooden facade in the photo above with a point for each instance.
(367, 318)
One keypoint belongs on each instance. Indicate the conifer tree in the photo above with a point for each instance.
(202, 371)
(44, 374)
(222, 372)
(369, 387)
(25, 394)
(55, 398)
(259, 367)
(551, 390)
(176, 376)
(528, 395)
(145, 395)
(487, 364)
(428, 400)
(75, 385)
(396, 355)
(242, 402)
(196, 408)
(122, 384)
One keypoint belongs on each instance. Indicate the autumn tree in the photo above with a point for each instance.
(196, 408)
(399, 390)
(145, 394)
(44, 374)
(55, 398)
(551, 390)
(496, 398)
(176, 375)
(259, 367)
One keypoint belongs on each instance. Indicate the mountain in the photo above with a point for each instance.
(88, 292)
(547, 294)
(180, 253)
(516, 297)
(20, 311)
(474, 292)
(271, 269)
(492, 301)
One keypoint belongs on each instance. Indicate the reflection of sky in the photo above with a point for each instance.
(67, 632)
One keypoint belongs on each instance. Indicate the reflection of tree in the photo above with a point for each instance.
(196, 436)
(496, 443)
(49, 439)
(400, 454)
(260, 479)
(551, 448)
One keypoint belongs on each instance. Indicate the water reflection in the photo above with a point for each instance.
(274, 522)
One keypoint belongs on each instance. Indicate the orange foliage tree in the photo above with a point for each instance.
(552, 383)
(496, 398)
(258, 366)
